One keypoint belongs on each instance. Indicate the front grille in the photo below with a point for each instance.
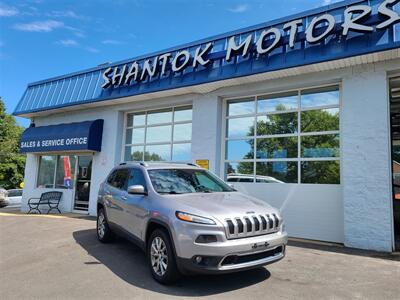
(246, 226)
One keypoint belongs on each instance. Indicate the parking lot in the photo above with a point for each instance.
(59, 257)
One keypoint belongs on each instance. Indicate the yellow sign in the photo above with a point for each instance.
(202, 163)
(21, 185)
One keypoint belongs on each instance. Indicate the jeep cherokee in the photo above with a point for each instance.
(187, 220)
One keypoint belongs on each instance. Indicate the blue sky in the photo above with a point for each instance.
(45, 38)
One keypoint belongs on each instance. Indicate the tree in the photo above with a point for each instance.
(12, 163)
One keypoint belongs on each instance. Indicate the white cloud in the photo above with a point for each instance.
(64, 14)
(112, 42)
(7, 11)
(39, 26)
(239, 8)
(92, 50)
(67, 43)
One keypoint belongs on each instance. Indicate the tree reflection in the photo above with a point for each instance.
(138, 156)
(286, 147)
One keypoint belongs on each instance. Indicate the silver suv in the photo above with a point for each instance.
(187, 220)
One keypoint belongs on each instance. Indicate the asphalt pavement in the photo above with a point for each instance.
(59, 257)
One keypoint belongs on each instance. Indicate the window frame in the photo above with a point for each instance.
(170, 142)
(298, 135)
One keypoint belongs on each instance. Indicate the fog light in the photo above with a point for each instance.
(206, 239)
(199, 259)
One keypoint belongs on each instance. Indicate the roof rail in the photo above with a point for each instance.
(142, 163)
(193, 164)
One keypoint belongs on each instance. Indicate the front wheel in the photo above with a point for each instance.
(161, 257)
(104, 233)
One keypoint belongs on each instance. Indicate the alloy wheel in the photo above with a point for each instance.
(101, 226)
(159, 256)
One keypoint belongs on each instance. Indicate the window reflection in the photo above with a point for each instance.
(137, 119)
(320, 97)
(320, 145)
(183, 132)
(158, 152)
(47, 166)
(320, 120)
(240, 127)
(277, 124)
(183, 114)
(158, 134)
(239, 172)
(277, 147)
(181, 152)
(135, 136)
(240, 149)
(281, 102)
(159, 117)
(322, 172)
(241, 107)
(134, 153)
(278, 135)
(276, 172)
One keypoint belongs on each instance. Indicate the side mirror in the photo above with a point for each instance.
(137, 190)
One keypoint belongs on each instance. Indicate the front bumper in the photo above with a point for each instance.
(235, 255)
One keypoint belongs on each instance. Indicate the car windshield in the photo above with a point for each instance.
(185, 181)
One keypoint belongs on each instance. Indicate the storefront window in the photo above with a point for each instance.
(47, 166)
(290, 137)
(56, 171)
(65, 174)
(161, 135)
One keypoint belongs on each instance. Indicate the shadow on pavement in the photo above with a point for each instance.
(128, 262)
(343, 250)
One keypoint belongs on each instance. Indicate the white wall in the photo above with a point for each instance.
(206, 140)
(310, 211)
(366, 163)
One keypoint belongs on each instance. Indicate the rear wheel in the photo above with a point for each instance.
(161, 257)
(104, 233)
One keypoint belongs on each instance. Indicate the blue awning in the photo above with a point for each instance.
(82, 136)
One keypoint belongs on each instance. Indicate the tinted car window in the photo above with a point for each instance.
(119, 179)
(136, 177)
(111, 177)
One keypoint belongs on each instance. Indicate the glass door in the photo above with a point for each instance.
(82, 185)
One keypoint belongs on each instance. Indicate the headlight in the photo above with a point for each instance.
(193, 218)
(283, 227)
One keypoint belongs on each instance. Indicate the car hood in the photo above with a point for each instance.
(222, 205)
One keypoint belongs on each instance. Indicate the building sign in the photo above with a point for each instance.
(83, 136)
(203, 163)
(356, 18)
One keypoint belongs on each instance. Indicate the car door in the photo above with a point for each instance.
(115, 194)
(136, 206)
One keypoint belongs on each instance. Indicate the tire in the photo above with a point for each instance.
(161, 257)
(104, 233)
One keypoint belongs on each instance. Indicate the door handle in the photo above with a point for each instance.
(124, 198)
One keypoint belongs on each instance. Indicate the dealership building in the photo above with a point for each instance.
(302, 112)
